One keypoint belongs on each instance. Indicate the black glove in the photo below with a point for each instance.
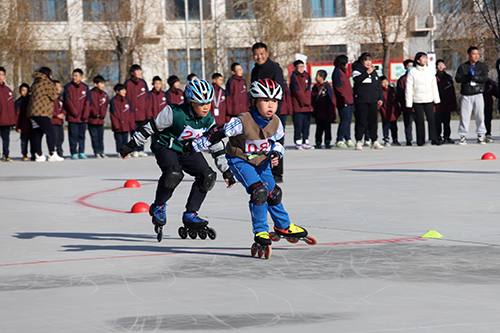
(275, 154)
(187, 148)
(128, 148)
(215, 133)
(229, 176)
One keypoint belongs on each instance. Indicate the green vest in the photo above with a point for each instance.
(184, 128)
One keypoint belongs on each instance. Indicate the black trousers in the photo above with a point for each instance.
(443, 124)
(408, 118)
(366, 112)
(45, 128)
(97, 138)
(59, 134)
(488, 116)
(323, 126)
(76, 136)
(27, 140)
(5, 134)
(428, 109)
(121, 138)
(191, 164)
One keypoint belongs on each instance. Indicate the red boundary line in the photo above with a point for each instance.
(367, 242)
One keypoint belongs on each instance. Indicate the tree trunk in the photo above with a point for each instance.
(122, 55)
(387, 58)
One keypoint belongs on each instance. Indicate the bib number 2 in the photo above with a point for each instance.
(191, 133)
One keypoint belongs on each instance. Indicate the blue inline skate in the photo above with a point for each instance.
(159, 218)
(195, 226)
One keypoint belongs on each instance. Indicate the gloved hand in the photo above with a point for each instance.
(229, 178)
(215, 133)
(125, 150)
(187, 148)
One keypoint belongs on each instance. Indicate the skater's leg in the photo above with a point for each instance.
(171, 176)
(205, 178)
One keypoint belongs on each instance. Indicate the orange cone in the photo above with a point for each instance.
(488, 156)
(132, 183)
(140, 207)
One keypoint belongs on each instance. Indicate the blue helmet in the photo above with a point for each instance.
(199, 91)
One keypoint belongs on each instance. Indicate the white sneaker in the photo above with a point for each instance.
(40, 158)
(135, 154)
(143, 154)
(377, 145)
(55, 158)
(349, 144)
(359, 146)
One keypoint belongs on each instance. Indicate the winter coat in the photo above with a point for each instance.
(323, 101)
(342, 87)
(219, 102)
(421, 86)
(158, 101)
(138, 95)
(175, 96)
(98, 106)
(300, 89)
(447, 94)
(367, 88)
(236, 96)
(472, 84)
(23, 122)
(7, 109)
(76, 103)
(121, 114)
(400, 93)
(286, 107)
(58, 109)
(42, 96)
(390, 111)
(490, 90)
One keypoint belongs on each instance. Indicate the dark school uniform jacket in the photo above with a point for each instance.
(138, 95)
(300, 89)
(158, 101)
(175, 96)
(23, 122)
(58, 109)
(236, 96)
(286, 107)
(490, 90)
(447, 94)
(269, 70)
(219, 104)
(342, 87)
(75, 102)
(367, 87)
(390, 111)
(121, 114)
(323, 101)
(400, 94)
(98, 106)
(7, 109)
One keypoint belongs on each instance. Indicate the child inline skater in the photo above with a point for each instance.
(251, 151)
(175, 126)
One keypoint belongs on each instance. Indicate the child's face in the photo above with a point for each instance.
(137, 74)
(238, 71)
(2, 76)
(122, 92)
(319, 79)
(367, 63)
(218, 81)
(157, 84)
(23, 91)
(59, 88)
(266, 106)
(441, 66)
(77, 77)
(201, 109)
(177, 85)
(385, 84)
(422, 61)
(100, 85)
(409, 65)
(300, 68)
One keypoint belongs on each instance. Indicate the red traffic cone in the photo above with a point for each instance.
(140, 207)
(488, 156)
(132, 183)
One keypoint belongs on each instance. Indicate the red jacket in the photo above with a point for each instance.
(58, 109)
(219, 105)
(7, 109)
(138, 95)
(98, 106)
(342, 87)
(237, 96)
(490, 90)
(175, 96)
(324, 101)
(158, 101)
(76, 103)
(121, 114)
(390, 110)
(300, 89)
(23, 122)
(446, 93)
(286, 107)
(400, 94)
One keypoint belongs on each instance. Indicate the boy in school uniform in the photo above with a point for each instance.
(140, 99)
(122, 116)
(174, 94)
(158, 97)
(389, 112)
(75, 104)
(408, 113)
(300, 89)
(58, 120)
(323, 101)
(98, 105)
(219, 102)
(442, 111)
(236, 91)
(490, 90)
(8, 116)
(23, 125)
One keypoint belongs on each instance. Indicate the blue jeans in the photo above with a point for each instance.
(76, 136)
(301, 124)
(247, 174)
(344, 129)
(97, 137)
(5, 134)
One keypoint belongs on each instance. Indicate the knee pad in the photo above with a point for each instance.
(171, 177)
(258, 193)
(208, 178)
(274, 198)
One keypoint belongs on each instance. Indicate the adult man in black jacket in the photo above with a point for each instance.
(472, 75)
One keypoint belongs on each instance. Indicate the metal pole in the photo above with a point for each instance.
(431, 12)
(217, 52)
(188, 53)
(202, 43)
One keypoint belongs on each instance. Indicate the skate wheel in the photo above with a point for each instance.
(211, 233)
(267, 252)
(182, 232)
(160, 234)
(311, 240)
(254, 249)
(274, 237)
(192, 233)
(202, 233)
(292, 240)
(156, 228)
(261, 252)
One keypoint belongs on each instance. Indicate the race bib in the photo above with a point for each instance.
(257, 147)
(191, 133)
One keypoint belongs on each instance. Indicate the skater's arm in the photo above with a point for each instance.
(278, 147)
(162, 121)
(232, 128)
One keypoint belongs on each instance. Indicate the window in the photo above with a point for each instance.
(177, 63)
(324, 52)
(175, 10)
(106, 10)
(452, 6)
(45, 10)
(239, 9)
(453, 52)
(102, 62)
(244, 58)
(57, 61)
(380, 8)
(377, 51)
(323, 8)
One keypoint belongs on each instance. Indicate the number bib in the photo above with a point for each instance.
(191, 133)
(257, 147)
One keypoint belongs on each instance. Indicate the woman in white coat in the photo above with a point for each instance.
(422, 93)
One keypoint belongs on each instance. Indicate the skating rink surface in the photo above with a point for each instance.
(73, 259)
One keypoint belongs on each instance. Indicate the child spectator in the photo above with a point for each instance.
(490, 90)
(236, 91)
(8, 116)
(219, 102)
(390, 113)
(98, 104)
(77, 112)
(345, 100)
(122, 116)
(174, 94)
(158, 97)
(139, 97)
(58, 121)
(300, 89)
(323, 101)
(408, 113)
(448, 103)
(23, 125)
(286, 107)
(190, 77)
